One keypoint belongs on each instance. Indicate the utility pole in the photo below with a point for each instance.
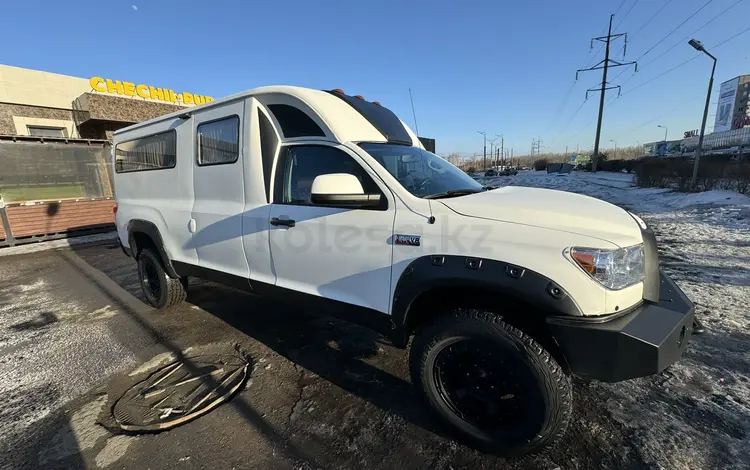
(605, 65)
(533, 146)
(502, 148)
(484, 161)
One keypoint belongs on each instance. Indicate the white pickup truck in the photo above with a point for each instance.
(330, 202)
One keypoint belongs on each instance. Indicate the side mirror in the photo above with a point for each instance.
(341, 189)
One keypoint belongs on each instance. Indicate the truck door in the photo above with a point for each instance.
(337, 253)
(219, 189)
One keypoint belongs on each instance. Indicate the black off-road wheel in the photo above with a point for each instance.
(161, 290)
(495, 387)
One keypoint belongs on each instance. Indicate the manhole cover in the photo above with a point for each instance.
(180, 392)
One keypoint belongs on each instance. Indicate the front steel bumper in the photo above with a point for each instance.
(640, 342)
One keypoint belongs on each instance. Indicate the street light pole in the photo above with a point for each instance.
(665, 138)
(665, 132)
(699, 47)
(502, 148)
(615, 148)
(484, 162)
(492, 151)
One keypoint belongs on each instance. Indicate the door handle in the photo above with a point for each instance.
(286, 222)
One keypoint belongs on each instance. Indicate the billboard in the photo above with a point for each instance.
(725, 107)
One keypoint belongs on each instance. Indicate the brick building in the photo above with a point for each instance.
(44, 104)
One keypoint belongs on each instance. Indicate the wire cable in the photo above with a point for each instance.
(691, 34)
(618, 8)
(679, 106)
(562, 105)
(677, 66)
(651, 19)
(567, 124)
(616, 99)
(675, 29)
(685, 62)
(680, 41)
(627, 13)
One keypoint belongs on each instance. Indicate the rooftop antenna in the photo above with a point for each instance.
(431, 218)
(414, 113)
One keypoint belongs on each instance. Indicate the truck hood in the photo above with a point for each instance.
(556, 210)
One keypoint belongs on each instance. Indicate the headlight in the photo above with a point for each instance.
(614, 269)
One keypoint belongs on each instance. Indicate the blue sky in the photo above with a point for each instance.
(497, 66)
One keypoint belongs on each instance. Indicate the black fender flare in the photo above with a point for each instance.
(432, 272)
(149, 229)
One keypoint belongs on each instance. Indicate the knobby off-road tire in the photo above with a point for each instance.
(496, 388)
(160, 290)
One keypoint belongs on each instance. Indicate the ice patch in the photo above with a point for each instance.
(104, 312)
(80, 434)
(115, 448)
(156, 362)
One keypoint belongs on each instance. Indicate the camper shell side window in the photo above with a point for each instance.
(151, 152)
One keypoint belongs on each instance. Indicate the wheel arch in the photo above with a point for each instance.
(142, 233)
(433, 284)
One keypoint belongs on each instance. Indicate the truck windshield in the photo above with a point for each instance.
(422, 173)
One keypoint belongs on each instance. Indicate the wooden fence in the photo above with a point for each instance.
(46, 220)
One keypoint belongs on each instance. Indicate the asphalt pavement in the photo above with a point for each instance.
(77, 333)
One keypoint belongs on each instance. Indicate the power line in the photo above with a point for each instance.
(570, 120)
(652, 18)
(685, 62)
(676, 66)
(675, 29)
(682, 104)
(562, 105)
(680, 41)
(585, 126)
(618, 8)
(691, 34)
(626, 14)
(662, 74)
(641, 29)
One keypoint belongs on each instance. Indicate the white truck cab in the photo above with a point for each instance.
(331, 203)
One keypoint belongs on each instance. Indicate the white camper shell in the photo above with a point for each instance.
(330, 202)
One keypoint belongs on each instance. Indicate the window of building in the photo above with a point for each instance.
(46, 131)
(219, 141)
(153, 152)
(294, 122)
(303, 163)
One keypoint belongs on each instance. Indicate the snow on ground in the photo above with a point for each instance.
(697, 413)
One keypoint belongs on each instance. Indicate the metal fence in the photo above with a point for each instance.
(40, 170)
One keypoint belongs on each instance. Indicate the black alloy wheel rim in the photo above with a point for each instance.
(150, 278)
(490, 388)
